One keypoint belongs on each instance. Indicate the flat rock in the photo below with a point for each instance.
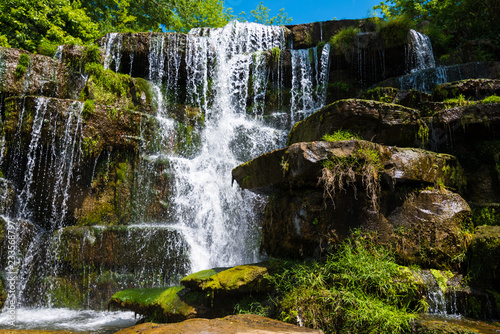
(380, 122)
(234, 324)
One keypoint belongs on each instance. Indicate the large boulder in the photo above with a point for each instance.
(475, 89)
(230, 281)
(428, 228)
(301, 165)
(383, 123)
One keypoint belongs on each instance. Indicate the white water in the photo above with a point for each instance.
(68, 320)
(419, 54)
(218, 220)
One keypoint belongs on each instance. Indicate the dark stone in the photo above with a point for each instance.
(383, 123)
(484, 257)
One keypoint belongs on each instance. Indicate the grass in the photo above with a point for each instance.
(358, 289)
(491, 99)
(340, 135)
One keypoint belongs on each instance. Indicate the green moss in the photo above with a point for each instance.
(491, 99)
(64, 293)
(88, 109)
(423, 134)
(394, 31)
(47, 48)
(92, 54)
(442, 278)
(344, 39)
(22, 65)
(276, 54)
(340, 135)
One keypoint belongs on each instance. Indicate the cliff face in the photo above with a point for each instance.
(98, 139)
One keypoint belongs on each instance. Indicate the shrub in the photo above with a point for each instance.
(47, 48)
(394, 31)
(92, 54)
(88, 109)
(344, 39)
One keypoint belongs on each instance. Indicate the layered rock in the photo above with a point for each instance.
(383, 123)
(485, 257)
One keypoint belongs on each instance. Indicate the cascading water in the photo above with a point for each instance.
(217, 220)
(419, 55)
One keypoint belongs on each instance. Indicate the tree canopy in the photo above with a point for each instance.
(41, 25)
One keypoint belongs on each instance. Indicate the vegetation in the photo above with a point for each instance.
(261, 15)
(359, 289)
(341, 135)
(340, 171)
(22, 65)
(449, 24)
(491, 99)
(394, 31)
(344, 39)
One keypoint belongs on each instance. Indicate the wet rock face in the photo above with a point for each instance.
(383, 123)
(485, 257)
(475, 89)
(43, 76)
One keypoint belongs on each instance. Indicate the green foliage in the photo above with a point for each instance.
(449, 23)
(491, 99)
(190, 14)
(276, 54)
(341, 135)
(92, 54)
(106, 86)
(359, 289)
(261, 15)
(88, 109)
(340, 85)
(344, 39)
(22, 65)
(47, 48)
(28, 23)
(340, 171)
(4, 41)
(395, 30)
(486, 216)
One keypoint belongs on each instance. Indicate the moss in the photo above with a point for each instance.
(423, 134)
(158, 304)
(64, 293)
(245, 278)
(88, 109)
(22, 65)
(491, 99)
(92, 54)
(484, 257)
(276, 54)
(344, 39)
(340, 135)
(442, 278)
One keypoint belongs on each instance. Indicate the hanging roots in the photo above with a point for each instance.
(340, 173)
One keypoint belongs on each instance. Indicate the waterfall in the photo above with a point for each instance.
(113, 47)
(217, 220)
(419, 55)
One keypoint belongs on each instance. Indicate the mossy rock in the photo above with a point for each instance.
(484, 257)
(237, 280)
(428, 230)
(160, 304)
(473, 89)
(383, 123)
(3, 295)
(431, 326)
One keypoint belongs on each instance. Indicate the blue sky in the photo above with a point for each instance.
(307, 11)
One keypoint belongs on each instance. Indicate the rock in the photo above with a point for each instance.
(427, 228)
(236, 280)
(44, 76)
(438, 326)
(484, 257)
(3, 295)
(33, 331)
(172, 304)
(383, 123)
(233, 324)
(300, 165)
(475, 89)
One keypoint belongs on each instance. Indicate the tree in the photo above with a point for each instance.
(190, 14)
(27, 24)
(261, 15)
